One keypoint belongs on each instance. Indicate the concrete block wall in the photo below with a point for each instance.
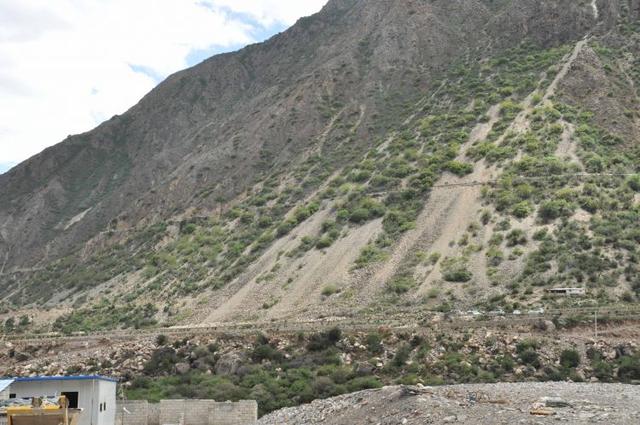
(244, 412)
(153, 417)
(187, 412)
(137, 412)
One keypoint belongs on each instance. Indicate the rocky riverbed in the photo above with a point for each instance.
(485, 404)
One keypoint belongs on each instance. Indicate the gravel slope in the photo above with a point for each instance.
(473, 404)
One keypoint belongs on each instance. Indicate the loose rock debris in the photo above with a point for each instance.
(485, 404)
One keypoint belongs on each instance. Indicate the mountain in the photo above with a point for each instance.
(426, 154)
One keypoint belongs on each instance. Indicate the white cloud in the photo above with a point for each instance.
(67, 65)
(270, 12)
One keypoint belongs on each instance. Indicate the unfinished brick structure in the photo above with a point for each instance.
(186, 412)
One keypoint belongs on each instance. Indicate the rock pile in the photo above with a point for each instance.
(485, 404)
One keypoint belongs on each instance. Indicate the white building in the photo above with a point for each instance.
(5, 388)
(95, 395)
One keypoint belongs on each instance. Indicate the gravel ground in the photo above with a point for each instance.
(485, 404)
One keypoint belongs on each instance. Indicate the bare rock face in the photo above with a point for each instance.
(228, 364)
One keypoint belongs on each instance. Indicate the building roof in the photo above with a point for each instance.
(65, 378)
(4, 383)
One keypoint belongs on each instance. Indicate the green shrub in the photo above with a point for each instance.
(359, 176)
(433, 293)
(457, 275)
(629, 368)
(266, 352)
(359, 215)
(324, 340)
(367, 209)
(329, 290)
(324, 387)
(455, 270)
(530, 357)
(459, 168)
(369, 254)
(364, 383)
(397, 222)
(570, 359)
(522, 209)
(527, 344)
(303, 213)
(516, 237)
(188, 228)
(402, 356)
(285, 227)
(374, 343)
(162, 360)
(495, 256)
(552, 210)
(634, 182)
(401, 284)
(602, 370)
(324, 242)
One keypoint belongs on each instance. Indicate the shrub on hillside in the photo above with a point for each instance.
(401, 284)
(516, 237)
(324, 340)
(570, 359)
(455, 270)
(374, 343)
(554, 209)
(329, 290)
(458, 168)
(634, 182)
(402, 356)
(162, 360)
(629, 368)
(530, 357)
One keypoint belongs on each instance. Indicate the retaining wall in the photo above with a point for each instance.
(187, 412)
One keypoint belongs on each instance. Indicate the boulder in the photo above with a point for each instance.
(554, 402)
(364, 369)
(228, 364)
(183, 368)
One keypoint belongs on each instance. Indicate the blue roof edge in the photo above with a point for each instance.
(65, 378)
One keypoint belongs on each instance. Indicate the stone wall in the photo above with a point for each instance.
(187, 412)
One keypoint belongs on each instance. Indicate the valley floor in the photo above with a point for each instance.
(484, 404)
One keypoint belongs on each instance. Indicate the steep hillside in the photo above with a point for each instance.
(424, 154)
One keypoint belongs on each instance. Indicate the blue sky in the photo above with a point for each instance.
(66, 66)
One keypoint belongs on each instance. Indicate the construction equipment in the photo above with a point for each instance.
(42, 412)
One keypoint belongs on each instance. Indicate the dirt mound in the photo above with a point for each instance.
(526, 403)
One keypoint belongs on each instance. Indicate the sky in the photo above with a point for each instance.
(68, 65)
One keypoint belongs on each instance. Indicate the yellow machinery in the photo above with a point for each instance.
(40, 413)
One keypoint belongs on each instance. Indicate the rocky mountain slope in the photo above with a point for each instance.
(425, 154)
(281, 369)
